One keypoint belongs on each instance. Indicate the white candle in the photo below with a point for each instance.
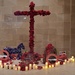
(10, 66)
(26, 68)
(1, 66)
(34, 66)
(46, 67)
(69, 60)
(13, 66)
(52, 65)
(0, 61)
(46, 63)
(49, 66)
(72, 57)
(64, 63)
(73, 60)
(4, 65)
(19, 68)
(56, 64)
(30, 66)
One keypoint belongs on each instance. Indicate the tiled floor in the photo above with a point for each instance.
(68, 69)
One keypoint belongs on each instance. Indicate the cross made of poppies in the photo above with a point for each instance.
(32, 13)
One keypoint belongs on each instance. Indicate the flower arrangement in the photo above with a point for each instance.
(22, 65)
(31, 57)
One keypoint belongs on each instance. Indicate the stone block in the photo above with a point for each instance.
(9, 18)
(1, 3)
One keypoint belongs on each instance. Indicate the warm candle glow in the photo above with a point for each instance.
(72, 57)
(30, 66)
(46, 63)
(26, 68)
(1, 66)
(56, 64)
(4, 65)
(0, 61)
(52, 65)
(73, 60)
(34, 65)
(69, 59)
(65, 60)
(10, 66)
(49, 66)
(46, 67)
(64, 63)
(18, 68)
(15, 68)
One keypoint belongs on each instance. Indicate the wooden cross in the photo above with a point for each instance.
(32, 13)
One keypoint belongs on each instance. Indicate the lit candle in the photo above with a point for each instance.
(4, 65)
(49, 66)
(46, 67)
(64, 63)
(1, 66)
(0, 63)
(52, 65)
(34, 66)
(19, 68)
(73, 60)
(26, 68)
(56, 64)
(72, 57)
(10, 66)
(46, 63)
(14, 66)
(30, 66)
(69, 60)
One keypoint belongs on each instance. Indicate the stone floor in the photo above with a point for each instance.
(67, 69)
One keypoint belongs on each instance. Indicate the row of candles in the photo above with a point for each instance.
(34, 66)
(70, 60)
(14, 67)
